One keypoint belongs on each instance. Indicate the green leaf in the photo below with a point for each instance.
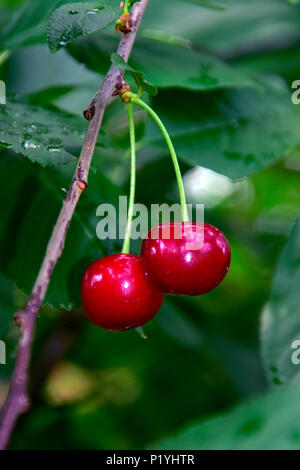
(237, 31)
(168, 65)
(76, 20)
(207, 4)
(280, 322)
(27, 25)
(28, 216)
(165, 65)
(283, 62)
(269, 422)
(49, 94)
(142, 84)
(46, 136)
(236, 133)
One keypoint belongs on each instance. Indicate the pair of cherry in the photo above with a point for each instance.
(125, 291)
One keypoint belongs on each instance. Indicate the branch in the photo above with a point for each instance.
(17, 401)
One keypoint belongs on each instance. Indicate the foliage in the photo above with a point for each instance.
(72, 21)
(40, 134)
(138, 77)
(254, 426)
(223, 74)
(280, 318)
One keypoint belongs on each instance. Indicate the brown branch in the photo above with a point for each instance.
(17, 401)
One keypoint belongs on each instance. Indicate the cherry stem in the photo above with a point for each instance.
(126, 244)
(142, 104)
(141, 332)
(126, 6)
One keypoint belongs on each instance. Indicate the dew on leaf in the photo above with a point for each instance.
(53, 149)
(38, 128)
(94, 11)
(29, 144)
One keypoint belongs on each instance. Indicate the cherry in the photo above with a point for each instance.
(117, 294)
(186, 258)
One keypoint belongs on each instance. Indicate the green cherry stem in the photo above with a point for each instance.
(126, 244)
(126, 6)
(142, 104)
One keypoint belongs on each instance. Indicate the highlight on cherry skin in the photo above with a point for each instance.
(117, 294)
(186, 258)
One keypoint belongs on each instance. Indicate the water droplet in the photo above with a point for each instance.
(94, 11)
(53, 149)
(29, 144)
(37, 128)
(62, 43)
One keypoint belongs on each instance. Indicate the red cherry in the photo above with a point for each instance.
(117, 293)
(186, 258)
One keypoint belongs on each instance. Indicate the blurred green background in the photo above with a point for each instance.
(224, 80)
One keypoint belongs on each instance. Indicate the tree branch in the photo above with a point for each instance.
(17, 401)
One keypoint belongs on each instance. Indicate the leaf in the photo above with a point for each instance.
(75, 20)
(49, 94)
(165, 65)
(142, 84)
(168, 65)
(283, 62)
(28, 217)
(207, 4)
(242, 364)
(238, 30)
(235, 132)
(280, 321)
(46, 136)
(28, 24)
(269, 422)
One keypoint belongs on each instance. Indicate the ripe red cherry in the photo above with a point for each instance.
(117, 294)
(186, 258)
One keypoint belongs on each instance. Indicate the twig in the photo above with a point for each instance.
(17, 401)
